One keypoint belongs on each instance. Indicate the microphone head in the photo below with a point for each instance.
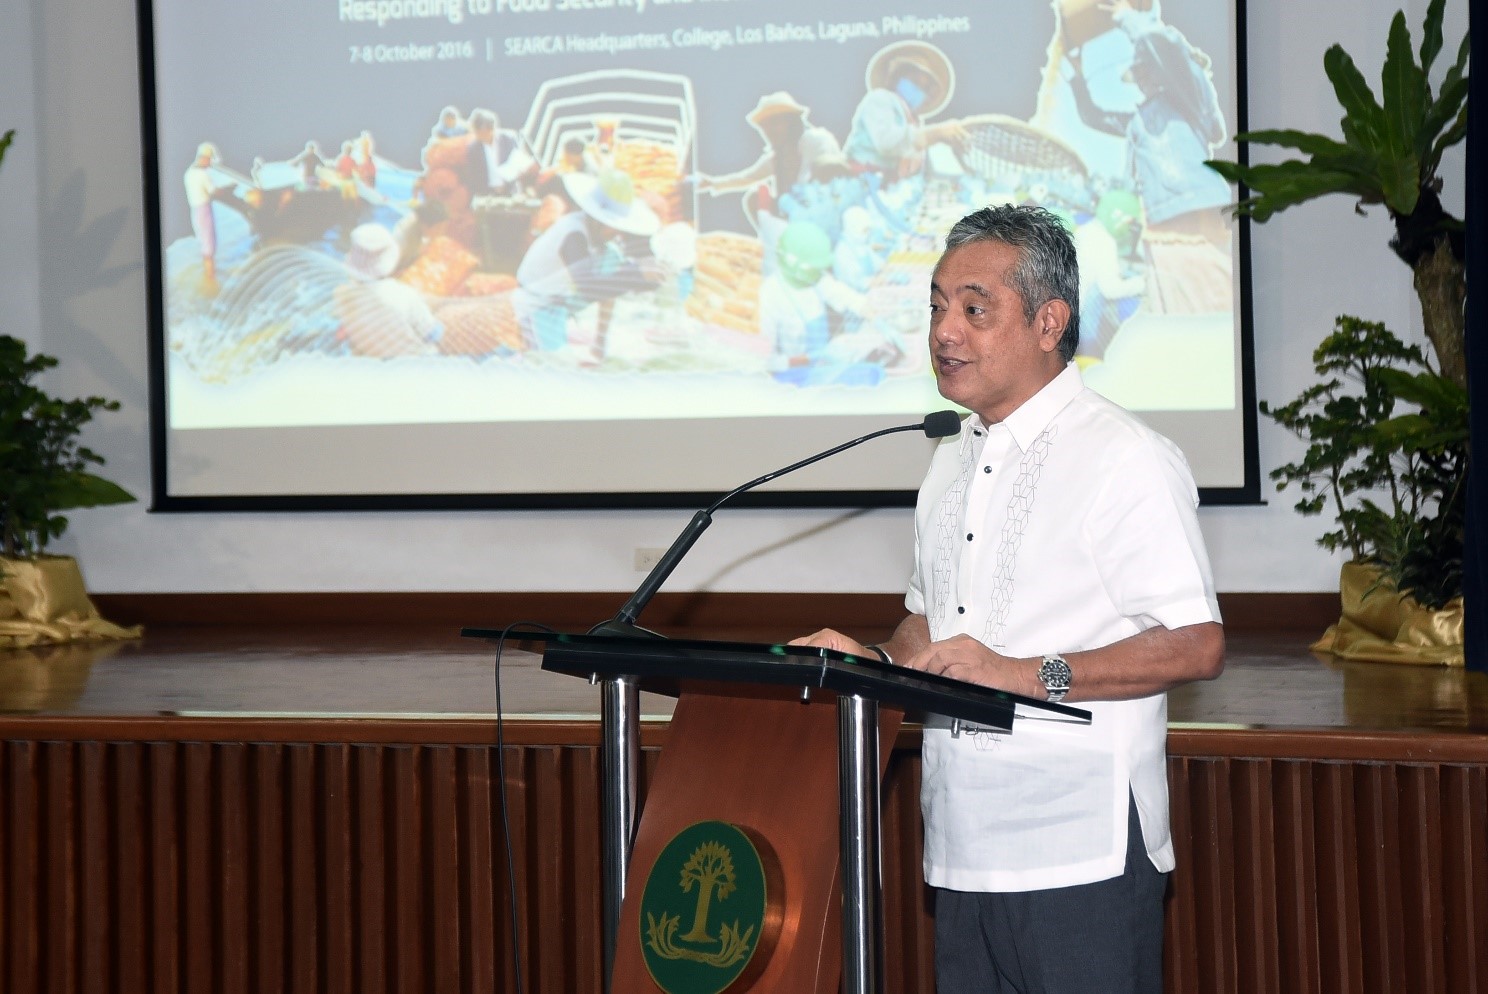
(941, 423)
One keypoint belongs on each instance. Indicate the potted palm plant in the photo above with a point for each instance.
(43, 472)
(1386, 423)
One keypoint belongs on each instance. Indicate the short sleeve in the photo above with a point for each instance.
(1148, 548)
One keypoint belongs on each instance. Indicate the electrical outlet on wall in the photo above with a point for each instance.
(646, 558)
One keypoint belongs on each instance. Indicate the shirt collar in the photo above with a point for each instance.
(1035, 413)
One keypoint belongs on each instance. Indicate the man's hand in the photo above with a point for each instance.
(1150, 662)
(962, 657)
(829, 639)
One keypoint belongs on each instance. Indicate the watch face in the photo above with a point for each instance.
(1055, 673)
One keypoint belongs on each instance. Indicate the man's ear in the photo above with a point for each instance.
(1052, 318)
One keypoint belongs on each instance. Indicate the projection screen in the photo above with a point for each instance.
(620, 252)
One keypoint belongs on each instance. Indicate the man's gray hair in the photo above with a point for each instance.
(1046, 268)
(482, 118)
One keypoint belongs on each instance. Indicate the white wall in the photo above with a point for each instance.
(73, 284)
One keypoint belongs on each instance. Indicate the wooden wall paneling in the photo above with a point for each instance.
(230, 839)
(1256, 941)
(199, 871)
(268, 789)
(1422, 887)
(22, 941)
(909, 942)
(756, 616)
(1297, 905)
(338, 869)
(484, 873)
(512, 832)
(562, 861)
(128, 853)
(443, 932)
(264, 867)
(59, 855)
(407, 855)
(96, 922)
(370, 940)
(1380, 855)
(1337, 879)
(163, 777)
(1465, 872)
(1213, 865)
(547, 960)
(305, 897)
(1180, 938)
(583, 885)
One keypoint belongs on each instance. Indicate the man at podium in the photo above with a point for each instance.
(1058, 556)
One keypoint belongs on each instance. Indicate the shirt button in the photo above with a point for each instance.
(986, 469)
(968, 536)
(960, 610)
(977, 432)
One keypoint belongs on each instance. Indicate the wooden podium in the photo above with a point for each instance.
(781, 744)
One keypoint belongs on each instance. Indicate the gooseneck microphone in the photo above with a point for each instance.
(937, 425)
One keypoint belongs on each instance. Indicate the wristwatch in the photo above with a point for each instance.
(1055, 675)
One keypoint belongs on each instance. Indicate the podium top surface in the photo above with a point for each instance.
(667, 665)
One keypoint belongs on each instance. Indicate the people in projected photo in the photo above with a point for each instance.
(364, 160)
(309, 162)
(413, 229)
(485, 162)
(203, 186)
(588, 257)
(346, 161)
(449, 125)
(1111, 284)
(861, 251)
(806, 314)
(494, 162)
(908, 83)
(600, 154)
(1176, 126)
(380, 316)
(796, 152)
(552, 193)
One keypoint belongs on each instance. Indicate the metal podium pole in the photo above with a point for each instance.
(862, 897)
(620, 759)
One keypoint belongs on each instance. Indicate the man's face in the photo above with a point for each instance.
(485, 134)
(986, 355)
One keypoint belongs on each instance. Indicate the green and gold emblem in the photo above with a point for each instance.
(707, 909)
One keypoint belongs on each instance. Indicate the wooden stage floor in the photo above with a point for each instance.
(1271, 681)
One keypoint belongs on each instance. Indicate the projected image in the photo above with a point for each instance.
(522, 244)
(525, 248)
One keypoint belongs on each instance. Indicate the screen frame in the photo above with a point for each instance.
(848, 496)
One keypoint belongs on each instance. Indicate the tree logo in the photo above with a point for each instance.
(704, 910)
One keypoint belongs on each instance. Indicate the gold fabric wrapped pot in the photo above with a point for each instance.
(43, 601)
(1379, 624)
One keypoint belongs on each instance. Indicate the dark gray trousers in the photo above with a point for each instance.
(1100, 938)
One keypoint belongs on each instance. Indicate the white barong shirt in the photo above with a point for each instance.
(1070, 525)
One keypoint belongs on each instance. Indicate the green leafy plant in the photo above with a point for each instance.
(1361, 452)
(1395, 481)
(43, 469)
(1390, 153)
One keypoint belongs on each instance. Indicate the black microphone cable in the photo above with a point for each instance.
(506, 833)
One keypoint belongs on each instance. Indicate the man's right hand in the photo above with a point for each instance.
(829, 639)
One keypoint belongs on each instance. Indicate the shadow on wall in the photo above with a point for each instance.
(75, 253)
(822, 528)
